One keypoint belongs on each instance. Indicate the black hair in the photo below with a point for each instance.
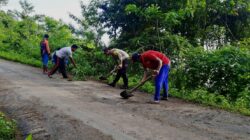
(135, 56)
(105, 49)
(46, 36)
(74, 46)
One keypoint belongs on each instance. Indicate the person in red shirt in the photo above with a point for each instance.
(45, 52)
(160, 65)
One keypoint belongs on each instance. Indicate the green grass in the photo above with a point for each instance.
(17, 57)
(7, 128)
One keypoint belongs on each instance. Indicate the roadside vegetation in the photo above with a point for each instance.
(7, 128)
(207, 41)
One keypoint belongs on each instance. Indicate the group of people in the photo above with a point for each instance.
(157, 62)
(60, 57)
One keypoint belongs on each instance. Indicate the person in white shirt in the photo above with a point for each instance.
(59, 57)
(122, 57)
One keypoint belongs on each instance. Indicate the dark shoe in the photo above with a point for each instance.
(124, 87)
(164, 98)
(112, 84)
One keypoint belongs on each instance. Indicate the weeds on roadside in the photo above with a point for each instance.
(7, 128)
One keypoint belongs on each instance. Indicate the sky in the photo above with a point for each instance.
(58, 9)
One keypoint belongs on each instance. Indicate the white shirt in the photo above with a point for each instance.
(64, 53)
(122, 55)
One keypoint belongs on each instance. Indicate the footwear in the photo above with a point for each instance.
(154, 102)
(124, 87)
(111, 84)
(49, 76)
(164, 98)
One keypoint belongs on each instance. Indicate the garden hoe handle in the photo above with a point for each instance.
(111, 72)
(139, 85)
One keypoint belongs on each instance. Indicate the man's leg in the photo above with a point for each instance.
(165, 84)
(118, 76)
(55, 67)
(63, 68)
(159, 82)
(125, 80)
(124, 73)
(45, 59)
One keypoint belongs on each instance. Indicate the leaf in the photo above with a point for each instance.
(29, 137)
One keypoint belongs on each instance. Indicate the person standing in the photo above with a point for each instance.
(45, 52)
(122, 57)
(59, 58)
(160, 65)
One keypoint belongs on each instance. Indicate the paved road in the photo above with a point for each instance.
(56, 109)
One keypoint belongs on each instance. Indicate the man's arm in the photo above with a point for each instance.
(156, 71)
(47, 47)
(72, 61)
(144, 75)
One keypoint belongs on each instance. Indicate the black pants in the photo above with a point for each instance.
(122, 73)
(60, 64)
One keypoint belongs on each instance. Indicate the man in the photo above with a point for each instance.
(160, 65)
(45, 52)
(122, 58)
(59, 57)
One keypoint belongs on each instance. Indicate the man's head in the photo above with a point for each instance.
(74, 47)
(106, 51)
(46, 36)
(135, 57)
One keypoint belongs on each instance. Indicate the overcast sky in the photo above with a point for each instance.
(58, 9)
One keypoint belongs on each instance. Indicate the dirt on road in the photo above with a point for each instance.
(55, 109)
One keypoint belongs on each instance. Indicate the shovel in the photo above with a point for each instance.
(128, 93)
(109, 74)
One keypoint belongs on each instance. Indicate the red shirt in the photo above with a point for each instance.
(149, 59)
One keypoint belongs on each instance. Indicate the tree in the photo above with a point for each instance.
(3, 2)
(90, 27)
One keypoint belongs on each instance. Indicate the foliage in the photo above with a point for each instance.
(217, 75)
(7, 128)
(225, 71)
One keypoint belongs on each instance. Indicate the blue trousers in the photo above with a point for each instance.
(45, 59)
(162, 80)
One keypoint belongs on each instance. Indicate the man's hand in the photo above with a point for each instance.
(155, 73)
(50, 57)
(120, 66)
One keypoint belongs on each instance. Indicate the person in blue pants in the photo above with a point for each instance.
(45, 52)
(160, 65)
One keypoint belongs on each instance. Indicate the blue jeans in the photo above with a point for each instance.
(45, 59)
(162, 80)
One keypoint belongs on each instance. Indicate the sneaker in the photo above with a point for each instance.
(111, 84)
(154, 102)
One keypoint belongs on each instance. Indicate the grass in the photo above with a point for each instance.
(17, 57)
(7, 128)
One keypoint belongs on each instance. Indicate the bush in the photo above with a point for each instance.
(225, 71)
